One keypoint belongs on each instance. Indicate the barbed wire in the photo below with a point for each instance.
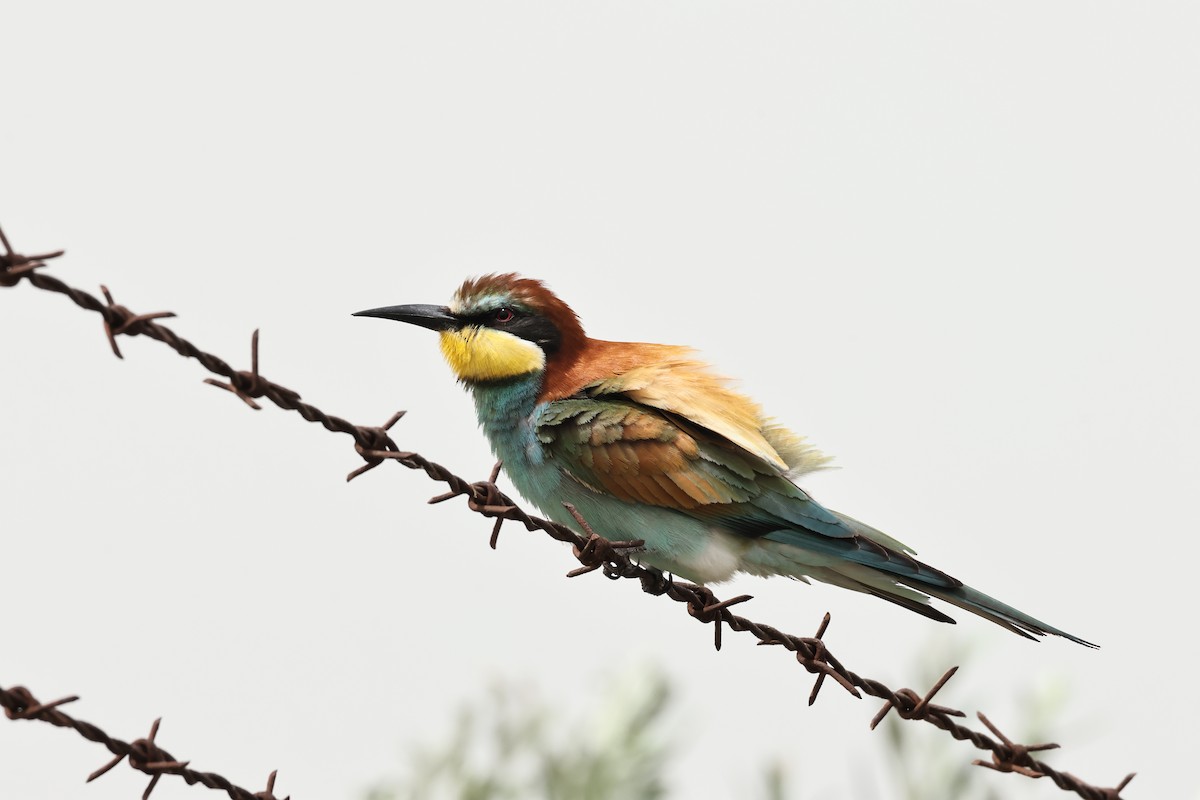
(594, 552)
(142, 754)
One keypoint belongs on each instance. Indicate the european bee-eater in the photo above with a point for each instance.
(647, 443)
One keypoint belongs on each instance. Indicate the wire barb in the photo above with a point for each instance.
(910, 705)
(1012, 757)
(269, 793)
(14, 266)
(121, 320)
(820, 651)
(36, 709)
(246, 385)
(374, 445)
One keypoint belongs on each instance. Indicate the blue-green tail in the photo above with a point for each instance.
(992, 609)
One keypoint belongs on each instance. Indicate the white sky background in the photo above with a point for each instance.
(953, 243)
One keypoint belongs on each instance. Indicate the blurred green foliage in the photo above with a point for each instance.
(511, 745)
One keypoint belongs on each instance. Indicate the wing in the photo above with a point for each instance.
(640, 454)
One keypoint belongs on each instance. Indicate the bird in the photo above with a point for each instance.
(648, 443)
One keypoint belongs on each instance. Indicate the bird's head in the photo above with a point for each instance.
(497, 327)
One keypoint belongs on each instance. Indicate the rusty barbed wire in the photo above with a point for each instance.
(593, 551)
(142, 754)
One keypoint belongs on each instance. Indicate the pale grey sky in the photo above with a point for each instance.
(953, 243)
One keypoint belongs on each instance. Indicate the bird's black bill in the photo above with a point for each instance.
(436, 318)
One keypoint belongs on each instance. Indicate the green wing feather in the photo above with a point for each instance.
(639, 454)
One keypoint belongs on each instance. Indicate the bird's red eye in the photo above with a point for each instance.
(505, 315)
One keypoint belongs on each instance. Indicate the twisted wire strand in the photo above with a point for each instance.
(141, 754)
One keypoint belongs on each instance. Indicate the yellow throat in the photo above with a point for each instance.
(486, 354)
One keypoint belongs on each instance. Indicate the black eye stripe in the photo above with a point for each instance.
(525, 324)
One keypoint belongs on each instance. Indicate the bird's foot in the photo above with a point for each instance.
(654, 580)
